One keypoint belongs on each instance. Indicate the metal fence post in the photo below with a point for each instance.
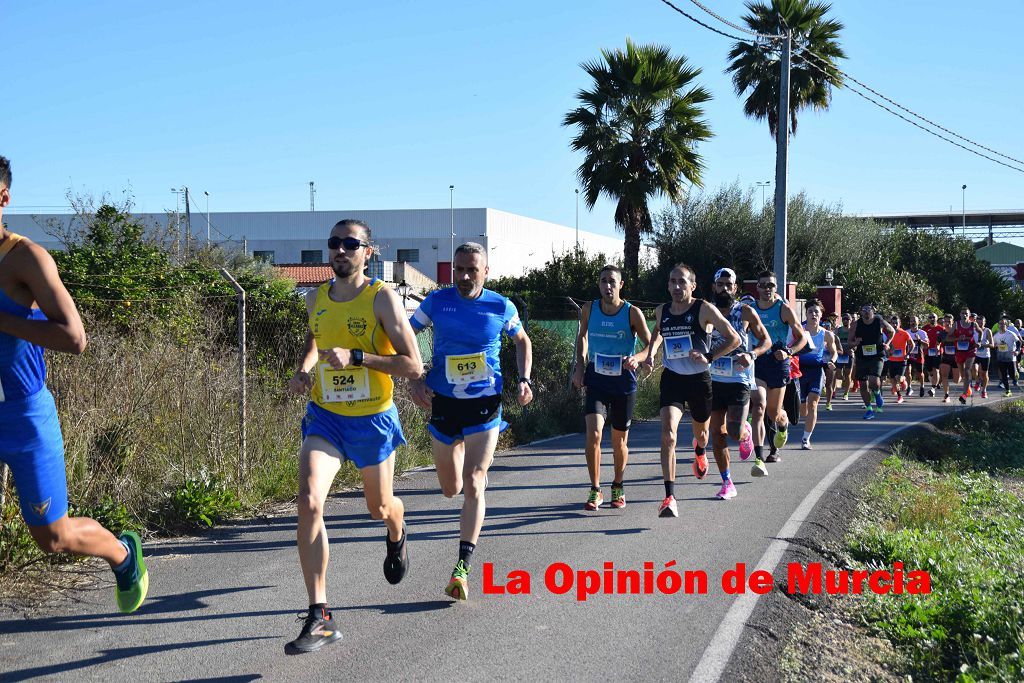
(3, 484)
(242, 393)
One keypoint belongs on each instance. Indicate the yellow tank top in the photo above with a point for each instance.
(350, 325)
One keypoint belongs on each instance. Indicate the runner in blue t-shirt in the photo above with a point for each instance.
(36, 312)
(606, 364)
(462, 389)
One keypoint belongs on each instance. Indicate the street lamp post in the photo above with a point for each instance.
(207, 218)
(451, 207)
(577, 219)
(177, 217)
(763, 184)
(963, 209)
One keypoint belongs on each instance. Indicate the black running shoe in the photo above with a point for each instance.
(396, 562)
(773, 457)
(317, 631)
(921, 394)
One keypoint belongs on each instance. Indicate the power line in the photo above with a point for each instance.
(707, 26)
(912, 113)
(218, 230)
(810, 62)
(763, 36)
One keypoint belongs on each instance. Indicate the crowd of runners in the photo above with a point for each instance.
(745, 367)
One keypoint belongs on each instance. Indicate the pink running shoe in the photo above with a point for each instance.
(747, 442)
(727, 491)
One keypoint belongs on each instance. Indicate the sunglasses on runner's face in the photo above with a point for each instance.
(766, 285)
(350, 243)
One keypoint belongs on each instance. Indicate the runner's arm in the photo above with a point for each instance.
(387, 307)
(799, 340)
(831, 346)
(656, 338)
(711, 315)
(581, 337)
(639, 325)
(524, 359)
(63, 330)
(755, 325)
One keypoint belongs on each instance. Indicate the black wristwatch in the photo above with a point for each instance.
(357, 357)
(526, 381)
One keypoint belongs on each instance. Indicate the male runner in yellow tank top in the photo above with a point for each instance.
(359, 338)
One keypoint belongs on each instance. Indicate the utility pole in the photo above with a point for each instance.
(207, 218)
(782, 167)
(188, 222)
(312, 195)
(963, 210)
(451, 266)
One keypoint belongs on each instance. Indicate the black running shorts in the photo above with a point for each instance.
(616, 408)
(724, 395)
(687, 390)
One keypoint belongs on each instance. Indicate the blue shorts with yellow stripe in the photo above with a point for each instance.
(32, 446)
(366, 440)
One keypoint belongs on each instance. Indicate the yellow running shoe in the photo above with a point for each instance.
(458, 586)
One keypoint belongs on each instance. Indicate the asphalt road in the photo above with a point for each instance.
(223, 605)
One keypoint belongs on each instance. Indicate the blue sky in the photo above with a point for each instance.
(384, 105)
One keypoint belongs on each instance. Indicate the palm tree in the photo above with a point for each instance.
(755, 66)
(638, 127)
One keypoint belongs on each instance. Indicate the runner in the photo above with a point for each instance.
(932, 353)
(819, 353)
(901, 347)
(36, 313)
(684, 325)
(844, 364)
(830, 370)
(964, 334)
(606, 366)
(359, 338)
(982, 356)
(947, 361)
(772, 370)
(915, 361)
(732, 377)
(1006, 341)
(462, 390)
(866, 339)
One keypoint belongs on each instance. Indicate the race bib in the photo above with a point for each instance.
(466, 369)
(610, 366)
(869, 349)
(722, 367)
(897, 353)
(843, 359)
(350, 384)
(678, 347)
(963, 345)
(949, 349)
(933, 352)
(1005, 348)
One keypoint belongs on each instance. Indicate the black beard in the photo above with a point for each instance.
(343, 269)
(723, 299)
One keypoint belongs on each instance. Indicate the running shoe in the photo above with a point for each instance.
(945, 399)
(700, 466)
(969, 393)
(1008, 393)
(618, 497)
(931, 392)
(828, 405)
(668, 508)
(869, 414)
(396, 562)
(758, 470)
(899, 399)
(984, 393)
(747, 442)
(133, 580)
(879, 401)
(805, 445)
(594, 500)
(458, 586)
(727, 491)
(773, 457)
(921, 393)
(963, 399)
(318, 630)
(781, 437)
(846, 396)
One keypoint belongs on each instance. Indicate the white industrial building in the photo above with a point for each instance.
(421, 238)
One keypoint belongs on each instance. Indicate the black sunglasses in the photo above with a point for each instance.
(350, 243)
(766, 285)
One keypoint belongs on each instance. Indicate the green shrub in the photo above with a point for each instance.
(202, 501)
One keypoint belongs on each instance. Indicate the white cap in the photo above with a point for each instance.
(726, 271)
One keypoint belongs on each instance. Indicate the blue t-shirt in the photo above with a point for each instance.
(22, 370)
(467, 340)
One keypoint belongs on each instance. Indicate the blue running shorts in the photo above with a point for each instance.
(32, 446)
(366, 440)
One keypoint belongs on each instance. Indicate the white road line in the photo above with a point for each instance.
(715, 658)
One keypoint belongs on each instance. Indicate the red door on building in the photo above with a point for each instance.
(444, 272)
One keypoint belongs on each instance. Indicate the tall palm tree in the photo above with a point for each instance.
(755, 66)
(638, 127)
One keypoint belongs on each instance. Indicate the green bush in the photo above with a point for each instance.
(204, 501)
